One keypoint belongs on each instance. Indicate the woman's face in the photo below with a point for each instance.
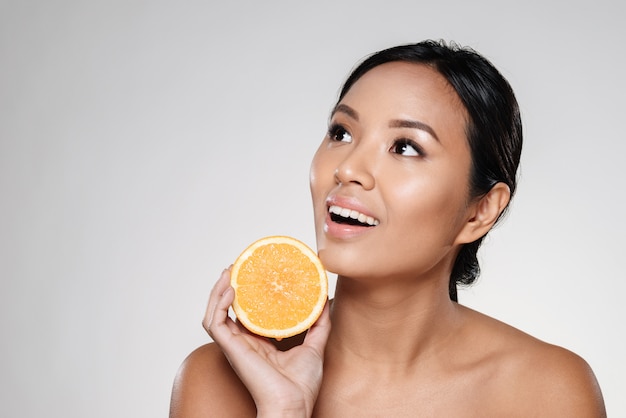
(396, 158)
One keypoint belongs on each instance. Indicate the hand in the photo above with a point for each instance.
(279, 382)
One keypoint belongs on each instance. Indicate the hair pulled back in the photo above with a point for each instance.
(494, 128)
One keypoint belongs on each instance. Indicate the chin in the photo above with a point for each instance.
(342, 263)
(328, 261)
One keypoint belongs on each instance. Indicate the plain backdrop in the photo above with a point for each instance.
(144, 144)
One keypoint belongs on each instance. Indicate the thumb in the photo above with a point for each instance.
(317, 336)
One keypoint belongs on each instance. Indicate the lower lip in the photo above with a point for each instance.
(344, 231)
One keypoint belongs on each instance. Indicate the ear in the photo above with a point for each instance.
(483, 213)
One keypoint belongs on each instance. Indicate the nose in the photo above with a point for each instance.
(356, 169)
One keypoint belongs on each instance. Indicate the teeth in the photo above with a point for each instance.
(347, 213)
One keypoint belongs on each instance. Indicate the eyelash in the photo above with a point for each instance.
(335, 130)
(407, 143)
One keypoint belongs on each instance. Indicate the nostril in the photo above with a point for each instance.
(338, 179)
(356, 172)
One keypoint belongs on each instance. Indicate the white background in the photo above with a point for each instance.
(144, 144)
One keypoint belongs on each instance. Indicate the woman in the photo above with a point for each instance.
(425, 139)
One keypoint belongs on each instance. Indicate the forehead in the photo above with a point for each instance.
(401, 89)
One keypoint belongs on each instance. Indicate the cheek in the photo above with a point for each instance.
(430, 206)
(315, 177)
(320, 182)
(322, 170)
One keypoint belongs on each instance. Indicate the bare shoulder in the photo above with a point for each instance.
(540, 379)
(206, 386)
(559, 382)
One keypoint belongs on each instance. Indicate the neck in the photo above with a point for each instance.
(394, 324)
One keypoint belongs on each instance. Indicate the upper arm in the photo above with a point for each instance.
(206, 386)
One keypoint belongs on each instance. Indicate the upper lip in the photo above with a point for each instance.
(352, 204)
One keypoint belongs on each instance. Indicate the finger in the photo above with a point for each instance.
(220, 327)
(317, 336)
(220, 285)
(216, 300)
(216, 292)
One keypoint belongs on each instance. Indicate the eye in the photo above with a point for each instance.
(339, 134)
(407, 148)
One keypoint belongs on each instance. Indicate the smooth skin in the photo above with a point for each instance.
(398, 346)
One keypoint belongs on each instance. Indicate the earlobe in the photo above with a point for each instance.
(484, 213)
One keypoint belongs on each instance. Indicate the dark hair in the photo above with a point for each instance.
(494, 128)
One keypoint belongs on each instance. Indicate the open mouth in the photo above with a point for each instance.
(351, 217)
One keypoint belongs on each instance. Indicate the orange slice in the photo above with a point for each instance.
(280, 287)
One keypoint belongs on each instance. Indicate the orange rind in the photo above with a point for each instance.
(280, 285)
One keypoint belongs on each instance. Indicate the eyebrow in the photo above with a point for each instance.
(395, 123)
(347, 110)
(413, 124)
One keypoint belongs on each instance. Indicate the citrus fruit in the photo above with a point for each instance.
(280, 287)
